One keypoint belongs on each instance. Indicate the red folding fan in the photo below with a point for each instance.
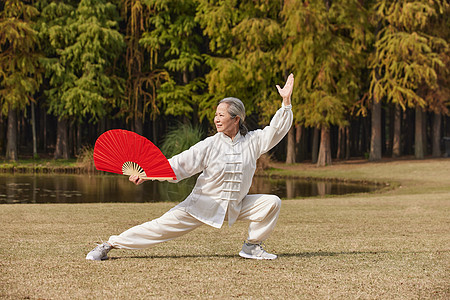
(128, 153)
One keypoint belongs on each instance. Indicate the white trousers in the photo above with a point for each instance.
(261, 210)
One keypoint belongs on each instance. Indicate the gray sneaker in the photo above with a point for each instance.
(100, 252)
(255, 251)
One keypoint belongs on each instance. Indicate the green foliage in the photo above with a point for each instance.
(179, 99)
(243, 38)
(225, 79)
(406, 57)
(173, 32)
(325, 46)
(217, 18)
(85, 43)
(181, 138)
(142, 77)
(20, 73)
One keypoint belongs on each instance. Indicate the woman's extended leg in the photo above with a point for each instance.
(172, 224)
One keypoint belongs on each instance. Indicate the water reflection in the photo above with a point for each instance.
(90, 189)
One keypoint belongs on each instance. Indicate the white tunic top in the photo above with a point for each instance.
(227, 168)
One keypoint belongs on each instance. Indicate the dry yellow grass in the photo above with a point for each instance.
(390, 245)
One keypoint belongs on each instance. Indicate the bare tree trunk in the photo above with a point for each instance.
(33, 129)
(396, 142)
(2, 137)
(347, 143)
(424, 132)
(418, 134)
(325, 148)
(436, 147)
(375, 138)
(138, 123)
(101, 127)
(43, 129)
(341, 143)
(70, 139)
(62, 139)
(79, 142)
(155, 132)
(138, 117)
(290, 155)
(298, 139)
(11, 136)
(298, 133)
(315, 148)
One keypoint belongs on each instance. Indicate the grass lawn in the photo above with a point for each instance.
(393, 244)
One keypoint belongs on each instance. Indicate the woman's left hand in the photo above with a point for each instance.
(136, 179)
(286, 91)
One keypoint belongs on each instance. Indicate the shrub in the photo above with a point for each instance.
(85, 159)
(180, 138)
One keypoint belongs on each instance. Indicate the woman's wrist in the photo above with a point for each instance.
(287, 101)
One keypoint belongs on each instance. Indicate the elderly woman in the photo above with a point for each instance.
(227, 162)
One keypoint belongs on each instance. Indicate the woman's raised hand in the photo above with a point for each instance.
(286, 91)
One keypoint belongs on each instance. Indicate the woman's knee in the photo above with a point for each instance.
(274, 201)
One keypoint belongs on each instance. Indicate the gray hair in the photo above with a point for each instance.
(236, 108)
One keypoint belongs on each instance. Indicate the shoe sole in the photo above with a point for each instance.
(245, 255)
(101, 259)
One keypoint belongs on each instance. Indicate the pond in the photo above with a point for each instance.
(110, 188)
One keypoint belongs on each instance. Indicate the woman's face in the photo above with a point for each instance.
(224, 122)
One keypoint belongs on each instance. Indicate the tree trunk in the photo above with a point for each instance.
(155, 132)
(138, 118)
(298, 140)
(33, 129)
(2, 137)
(298, 134)
(424, 132)
(341, 143)
(408, 131)
(418, 134)
(62, 139)
(11, 136)
(71, 139)
(43, 129)
(21, 131)
(396, 143)
(290, 155)
(325, 148)
(315, 146)
(347, 143)
(79, 142)
(436, 147)
(375, 137)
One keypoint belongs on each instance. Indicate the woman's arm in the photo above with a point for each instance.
(281, 122)
(186, 163)
(191, 161)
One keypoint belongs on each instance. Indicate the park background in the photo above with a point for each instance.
(371, 77)
(371, 83)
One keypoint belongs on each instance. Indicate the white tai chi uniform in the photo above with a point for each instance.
(221, 189)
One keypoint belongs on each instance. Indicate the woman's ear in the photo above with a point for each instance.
(236, 120)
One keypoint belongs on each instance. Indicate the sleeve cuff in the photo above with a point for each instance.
(286, 107)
